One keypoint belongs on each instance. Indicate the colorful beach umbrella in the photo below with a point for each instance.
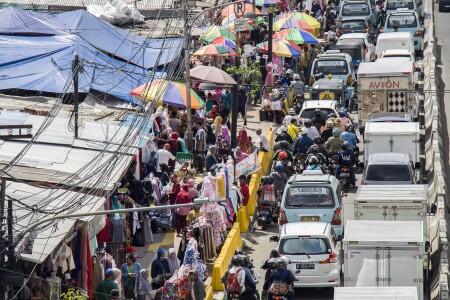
(287, 23)
(224, 41)
(282, 48)
(214, 32)
(248, 10)
(298, 36)
(167, 92)
(297, 19)
(214, 49)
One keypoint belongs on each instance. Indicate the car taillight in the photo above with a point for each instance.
(337, 217)
(349, 80)
(418, 33)
(332, 258)
(282, 219)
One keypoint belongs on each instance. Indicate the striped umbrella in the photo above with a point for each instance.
(224, 41)
(291, 23)
(167, 92)
(298, 20)
(214, 49)
(282, 48)
(214, 32)
(296, 35)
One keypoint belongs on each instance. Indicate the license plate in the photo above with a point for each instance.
(326, 96)
(310, 219)
(345, 175)
(307, 266)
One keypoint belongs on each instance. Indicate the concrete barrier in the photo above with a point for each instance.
(231, 244)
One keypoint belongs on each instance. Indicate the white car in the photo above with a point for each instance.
(326, 107)
(313, 253)
(370, 48)
(398, 54)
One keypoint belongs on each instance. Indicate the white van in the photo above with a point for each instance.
(394, 40)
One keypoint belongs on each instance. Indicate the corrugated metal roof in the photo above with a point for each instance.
(49, 4)
(44, 242)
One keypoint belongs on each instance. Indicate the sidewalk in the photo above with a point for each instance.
(253, 122)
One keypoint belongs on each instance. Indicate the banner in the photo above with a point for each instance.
(247, 166)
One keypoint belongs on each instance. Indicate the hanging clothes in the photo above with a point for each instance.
(118, 230)
(209, 187)
(147, 227)
(97, 272)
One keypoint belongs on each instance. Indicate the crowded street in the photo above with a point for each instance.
(227, 150)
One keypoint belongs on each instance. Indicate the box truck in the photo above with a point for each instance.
(386, 87)
(375, 293)
(400, 137)
(384, 253)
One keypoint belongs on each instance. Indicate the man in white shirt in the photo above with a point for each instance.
(312, 130)
(164, 156)
(263, 141)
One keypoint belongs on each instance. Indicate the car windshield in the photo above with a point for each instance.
(388, 173)
(334, 67)
(394, 4)
(354, 52)
(304, 245)
(353, 26)
(307, 196)
(355, 9)
(309, 113)
(402, 21)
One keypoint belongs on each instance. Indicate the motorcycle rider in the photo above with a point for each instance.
(313, 163)
(346, 158)
(314, 151)
(318, 121)
(293, 129)
(297, 87)
(279, 178)
(284, 136)
(335, 142)
(238, 279)
(318, 141)
(287, 119)
(303, 143)
(312, 131)
(349, 136)
(343, 115)
(268, 266)
(328, 132)
(281, 275)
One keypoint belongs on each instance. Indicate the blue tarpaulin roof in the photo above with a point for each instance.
(37, 51)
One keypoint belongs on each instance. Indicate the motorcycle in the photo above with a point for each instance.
(298, 103)
(300, 163)
(345, 178)
(267, 213)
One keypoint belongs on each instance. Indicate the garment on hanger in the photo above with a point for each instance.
(97, 272)
(118, 230)
(209, 187)
(147, 224)
(64, 259)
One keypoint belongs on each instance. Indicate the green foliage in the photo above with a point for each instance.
(73, 294)
(248, 73)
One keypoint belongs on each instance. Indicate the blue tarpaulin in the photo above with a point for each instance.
(37, 51)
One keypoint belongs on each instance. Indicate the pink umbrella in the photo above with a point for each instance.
(212, 74)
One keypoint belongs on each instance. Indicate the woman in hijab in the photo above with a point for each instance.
(129, 269)
(242, 140)
(160, 270)
(174, 262)
(143, 288)
(213, 113)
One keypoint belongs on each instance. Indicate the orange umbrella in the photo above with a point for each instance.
(248, 10)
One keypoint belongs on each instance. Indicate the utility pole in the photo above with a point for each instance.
(187, 72)
(270, 38)
(75, 70)
(11, 256)
(2, 240)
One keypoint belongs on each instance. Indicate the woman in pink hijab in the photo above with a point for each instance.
(269, 76)
(242, 140)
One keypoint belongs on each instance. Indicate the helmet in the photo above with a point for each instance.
(336, 132)
(313, 160)
(266, 180)
(296, 77)
(349, 128)
(342, 112)
(345, 145)
(282, 155)
(289, 72)
(284, 261)
(317, 112)
(307, 122)
(236, 260)
(279, 167)
(275, 93)
(329, 123)
(314, 149)
(284, 128)
(291, 112)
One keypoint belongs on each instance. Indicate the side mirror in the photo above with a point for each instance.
(433, 210)
(361, 165)
(274, 238)
(417, 166)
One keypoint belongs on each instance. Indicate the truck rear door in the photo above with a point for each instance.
(405, 267)
(361, 267)
(400, 143)
(400, 211)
